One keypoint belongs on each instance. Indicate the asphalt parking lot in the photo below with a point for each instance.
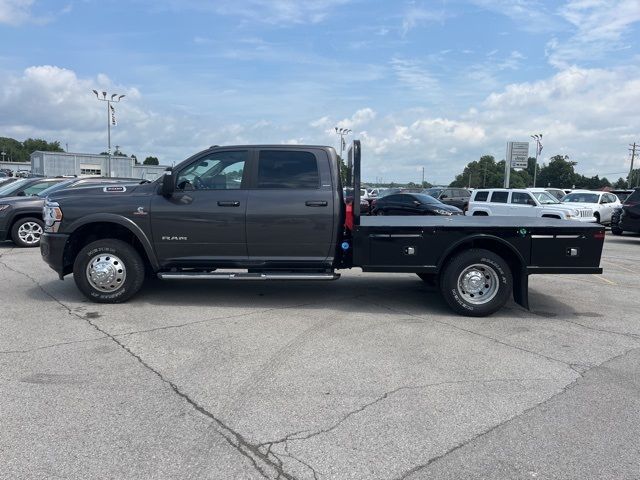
(369, 377)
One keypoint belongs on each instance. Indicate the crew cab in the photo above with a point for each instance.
(277, 212)
(524, 203)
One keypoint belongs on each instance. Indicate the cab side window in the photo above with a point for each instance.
(288, 169)
(216, 171)
(499, 197)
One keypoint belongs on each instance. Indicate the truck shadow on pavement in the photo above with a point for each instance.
(350, 294)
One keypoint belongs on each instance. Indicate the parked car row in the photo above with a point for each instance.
(22, 200)
(626, 218)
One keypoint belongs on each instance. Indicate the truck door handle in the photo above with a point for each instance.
(313, 203)
(228, 204)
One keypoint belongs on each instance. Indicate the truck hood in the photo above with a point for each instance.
(20, 200)
(106, 190)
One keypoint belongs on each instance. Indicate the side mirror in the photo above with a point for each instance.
(416, 203)
(531, 202)
(443, 197)
(168, 184)
(21, 194)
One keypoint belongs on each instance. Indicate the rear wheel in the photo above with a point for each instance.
(108, 271)
(26, 232)
(476, 282)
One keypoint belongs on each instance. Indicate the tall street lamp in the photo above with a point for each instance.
(342, 132)
(538, 139)
(109, 101)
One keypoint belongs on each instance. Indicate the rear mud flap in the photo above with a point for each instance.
(521, 290)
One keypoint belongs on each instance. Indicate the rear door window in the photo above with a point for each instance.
(287, 169)
(499, 197)
(481, 196)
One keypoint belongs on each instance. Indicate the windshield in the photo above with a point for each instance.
(581, 198)
(13, 186)
(424, 198)
(545, 198)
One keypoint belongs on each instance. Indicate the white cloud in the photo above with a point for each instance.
(528, 15)
(414, 75)
(15, 12)
(599, 27)
(359, 119)
(267, 11)
(415, 16)
(589, 114)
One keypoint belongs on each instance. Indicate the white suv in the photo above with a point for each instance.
(602, 203)
(523, 203)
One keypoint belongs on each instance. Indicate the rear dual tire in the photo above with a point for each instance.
(476, 283)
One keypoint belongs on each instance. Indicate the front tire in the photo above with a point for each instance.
(108, 271)
(616, 231)
(26, 232)
(476, 283)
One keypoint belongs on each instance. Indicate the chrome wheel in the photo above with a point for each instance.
(30, 233)
(478, 284)
(106, 272)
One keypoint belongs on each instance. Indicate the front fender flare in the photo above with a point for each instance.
(123, 221)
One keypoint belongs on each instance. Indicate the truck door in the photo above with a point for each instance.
(203, 223)
(291, 211)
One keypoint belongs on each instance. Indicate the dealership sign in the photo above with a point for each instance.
(518, 154)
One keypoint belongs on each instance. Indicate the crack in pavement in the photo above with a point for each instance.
(458, 446)
(239, 315)
(53, 345)
(264, 465)
(296, 436)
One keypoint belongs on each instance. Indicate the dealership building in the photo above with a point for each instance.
(53, 164)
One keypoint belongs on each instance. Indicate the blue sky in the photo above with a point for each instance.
(433, 83)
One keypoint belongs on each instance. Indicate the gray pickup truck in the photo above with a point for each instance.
(277, 212)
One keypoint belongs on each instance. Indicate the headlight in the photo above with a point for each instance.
(52, 216)
(4, 207)
(442, 212)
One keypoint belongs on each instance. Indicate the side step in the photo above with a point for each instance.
(246, 276)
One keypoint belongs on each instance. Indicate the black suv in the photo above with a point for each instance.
(458, 197)
(627, 218)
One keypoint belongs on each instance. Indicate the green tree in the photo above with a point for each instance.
(620, 183)
(13, 150)
(32, 144)
(558, 173)
(151, 161)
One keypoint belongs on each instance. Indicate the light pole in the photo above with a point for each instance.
(109, 101)
(342, 132)
(4, 154)
(538, 139)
